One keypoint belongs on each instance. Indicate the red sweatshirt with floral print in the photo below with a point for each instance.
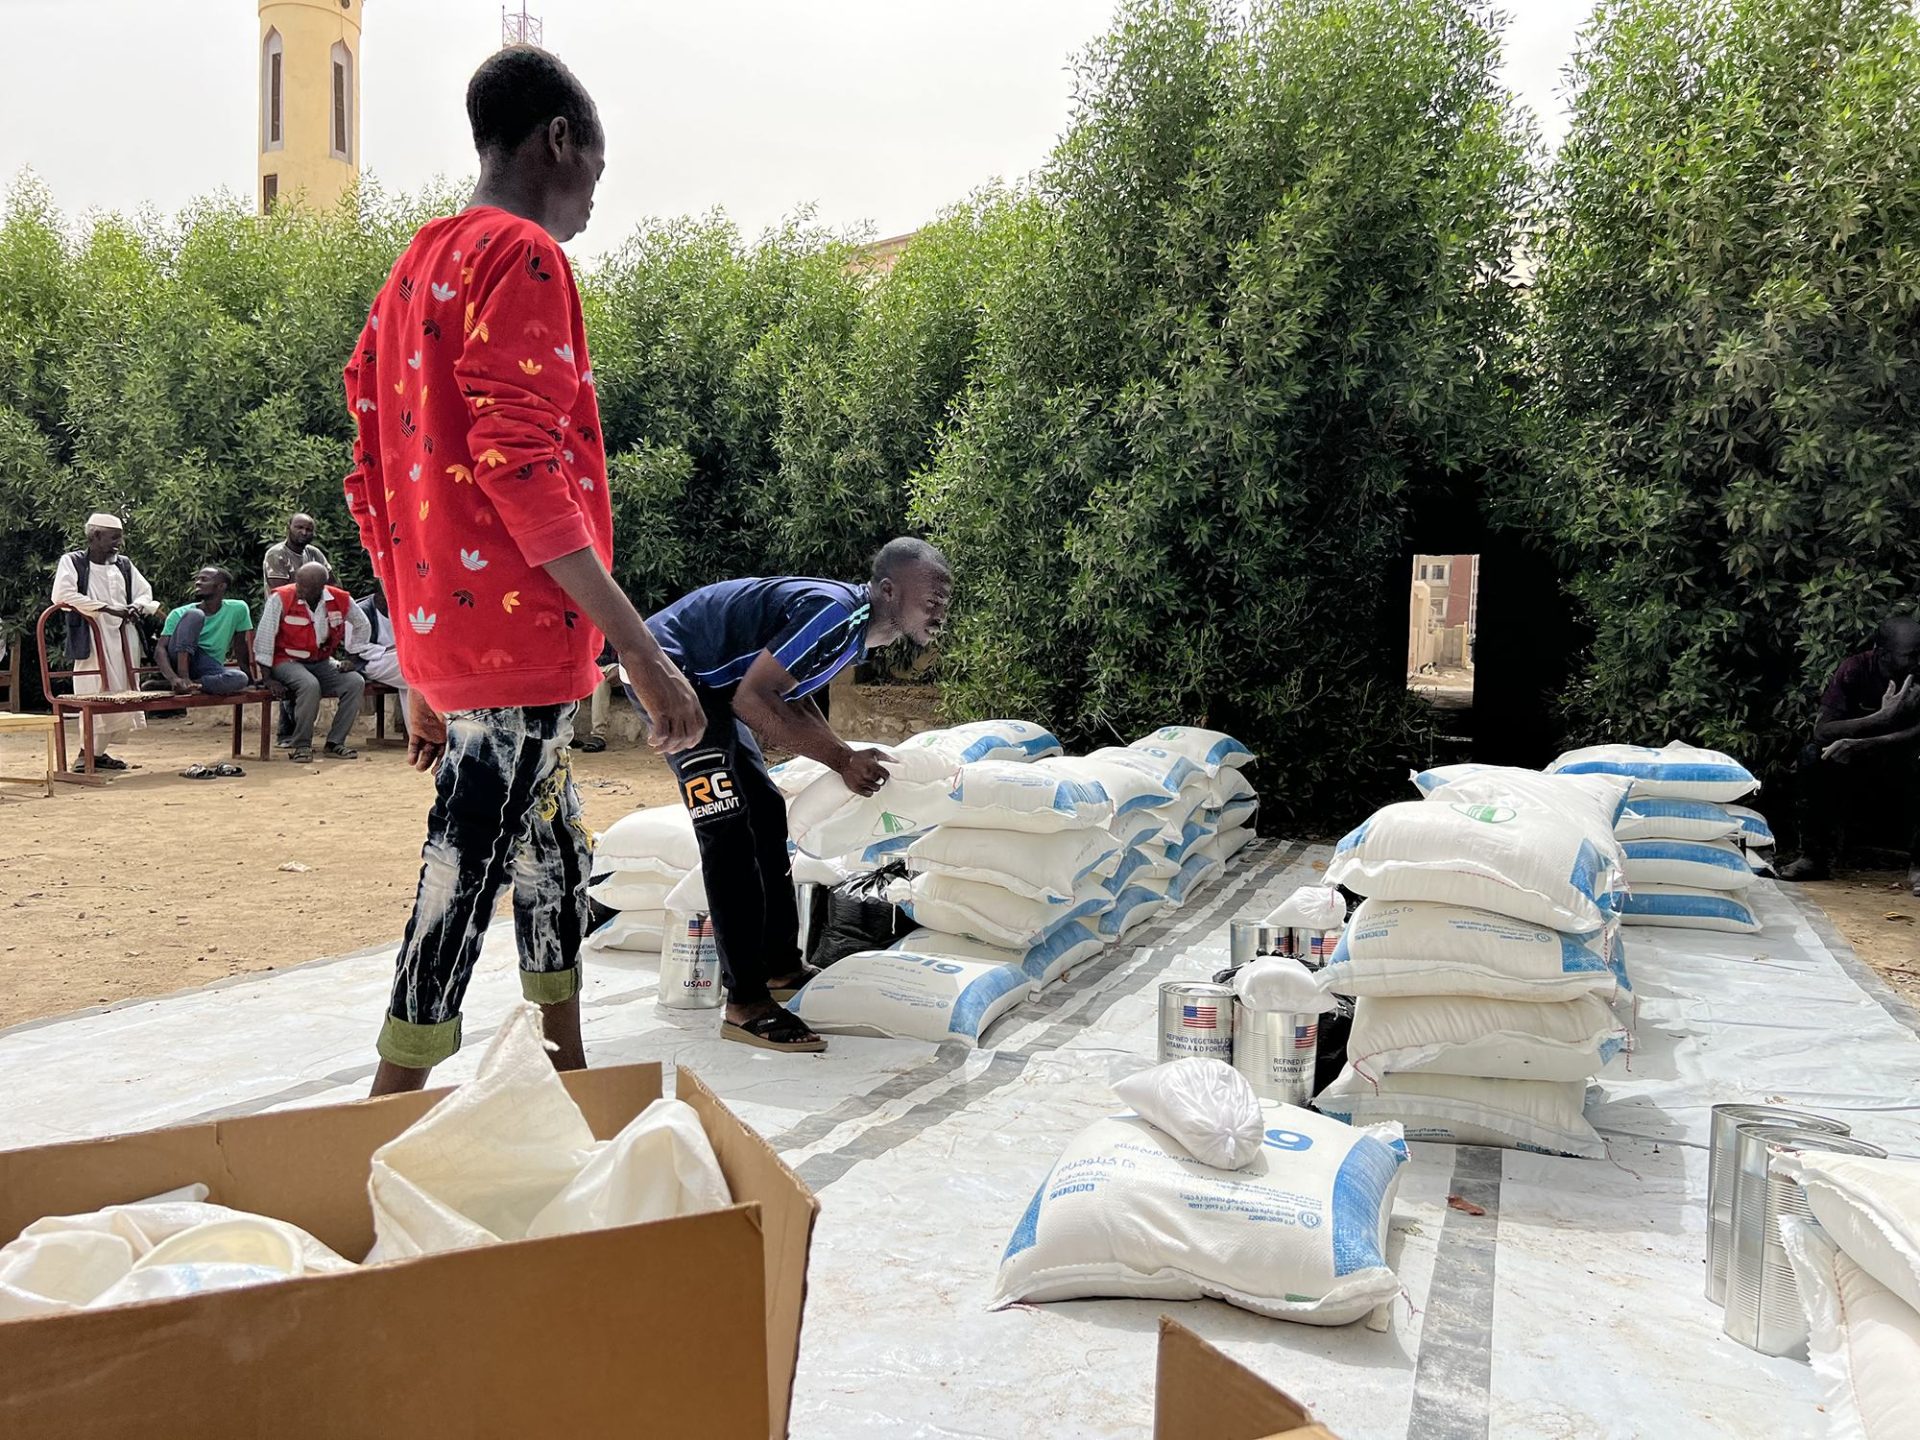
(479, 460)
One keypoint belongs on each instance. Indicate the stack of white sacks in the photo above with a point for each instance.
(1485, 959)
(1857, 1263)
(1690, 852)
(1023, 864)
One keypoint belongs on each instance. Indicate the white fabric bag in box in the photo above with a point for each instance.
(1528, 860)
(656, 841)
(1298, 1234)
(1492, 1039)
(1863, 1340)
(1042, 867)
(1700, 864)
(1212, 750)
(901, 995)
(1542, 1115)
(1016, 740)
(1870, 1208)
(508, 1156)
(1418, 947)
(989, 913)
(1205, 1104)
(1688, 908)
(1677, 771)
(1652, 817)
(827, 819)
(1064, 948)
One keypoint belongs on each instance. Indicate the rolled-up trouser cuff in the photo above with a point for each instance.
(550, 987)
(418, 1047)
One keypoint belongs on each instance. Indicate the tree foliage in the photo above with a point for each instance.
(1265, 303)
(1730, 356)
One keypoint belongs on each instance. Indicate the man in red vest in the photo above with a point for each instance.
(480, 489)
(302, 626)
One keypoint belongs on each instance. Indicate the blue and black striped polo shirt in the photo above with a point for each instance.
(815, 628)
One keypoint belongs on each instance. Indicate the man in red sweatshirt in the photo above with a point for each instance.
(480, 489)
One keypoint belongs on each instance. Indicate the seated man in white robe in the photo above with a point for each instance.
(374, 655)
(98, 580)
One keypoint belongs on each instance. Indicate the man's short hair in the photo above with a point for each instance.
(901, 554)
(226, 575)
(519, 90)
(1894, 630)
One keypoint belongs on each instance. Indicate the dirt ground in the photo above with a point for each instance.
(152, 883)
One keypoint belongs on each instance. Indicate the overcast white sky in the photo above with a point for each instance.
(877, 111)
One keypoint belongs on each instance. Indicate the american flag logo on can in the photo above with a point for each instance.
(1200, 1017)
(1196, 1018)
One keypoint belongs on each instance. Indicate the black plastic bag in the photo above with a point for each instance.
(858, 916)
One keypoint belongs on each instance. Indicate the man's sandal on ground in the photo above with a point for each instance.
(225, 770)
(300, 755)
(591, 745)
(776, 1030)
(783, 991)
(341, 752)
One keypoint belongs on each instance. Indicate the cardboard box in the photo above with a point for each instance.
(1199, 1394)
(662, 1329)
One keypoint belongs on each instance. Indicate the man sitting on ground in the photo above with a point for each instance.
(756, 651)
(302, 626)
(1865, 751)
(198, 639)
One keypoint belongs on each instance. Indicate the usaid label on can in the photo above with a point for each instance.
(690, 964)
(1196, 1018)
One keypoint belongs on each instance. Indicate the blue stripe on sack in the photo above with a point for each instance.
(1576, 956)
(1755, 830)
(1611, 1046)
(1692, 907)
(1117, 881)
(1224, 749)
(1043, 744)
(1660, 808)
(1586, 871)
(1694, 852)
(1070, 795)
(1695, 772)
(1359, 1190)
(1354, 838)
(1129, 900)
(978, 996)
(1062, 939)
(1028, 1230)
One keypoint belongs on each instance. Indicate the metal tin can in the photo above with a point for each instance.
(690, 963)
(1196, 1018)
(1721, 1135)
(1276, 1051)
(1250, 939)
(1763, 1299)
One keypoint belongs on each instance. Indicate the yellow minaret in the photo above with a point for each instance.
(309, 139)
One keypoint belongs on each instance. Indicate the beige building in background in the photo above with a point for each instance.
(309, 124)
(1442, 613)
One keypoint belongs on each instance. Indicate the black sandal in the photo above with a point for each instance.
(776, 1030)
(592, 745)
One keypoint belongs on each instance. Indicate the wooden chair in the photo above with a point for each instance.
(10, 675)
(128, 702)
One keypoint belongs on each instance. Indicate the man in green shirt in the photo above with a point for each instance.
(198, 638)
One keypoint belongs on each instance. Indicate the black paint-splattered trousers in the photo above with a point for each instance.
(504, 808)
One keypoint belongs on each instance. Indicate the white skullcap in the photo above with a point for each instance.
(100, 520)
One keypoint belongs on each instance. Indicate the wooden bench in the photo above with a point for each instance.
(128, 702)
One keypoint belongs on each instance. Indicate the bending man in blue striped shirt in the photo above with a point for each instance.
(756, 651)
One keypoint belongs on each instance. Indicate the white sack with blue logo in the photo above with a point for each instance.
(1131, 788)
(991, 914)
(1702, 864)
(898, 994)
(1006, 795)
(1649, 817)
(1526, 859)
(1416, 947)
(1688, 907)
(1595, 801)
(1168, 770)
(827, 819)
(1212, 750)
(1042, 867)
(1020, 741)
(1545, 1116)
(1064, 948)
(1300, 1233)
(1675, 771)
(1492, 1039)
